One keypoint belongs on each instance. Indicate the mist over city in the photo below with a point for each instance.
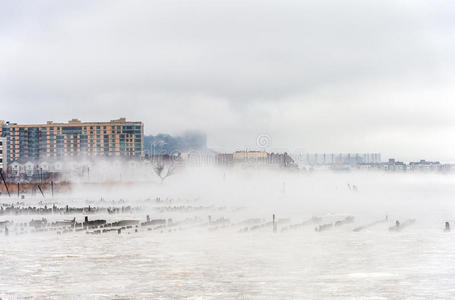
(227, 149)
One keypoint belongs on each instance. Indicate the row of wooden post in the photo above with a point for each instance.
(18, 187)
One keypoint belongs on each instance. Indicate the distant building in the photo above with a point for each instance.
(3, 154)
(250, 155)
(205, 157)
(281, 159)
(20, 170)
(15, 168)
(225, 159)
(72, 140)
(394, 165)
(339, 158)
(424, 165)
(255, 159)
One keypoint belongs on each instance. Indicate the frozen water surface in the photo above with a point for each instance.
(229, 257)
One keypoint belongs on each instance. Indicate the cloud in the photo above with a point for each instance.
(319, 75)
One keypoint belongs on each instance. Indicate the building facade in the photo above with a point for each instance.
(255, 159)
(3, 157)
(250, 155)
(339, 158)
(72, 140)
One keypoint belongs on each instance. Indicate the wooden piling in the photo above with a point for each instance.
(4, 181)
(274, 224)
(41, 191)
(447, 227)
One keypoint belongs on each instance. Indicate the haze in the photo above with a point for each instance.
(315, 76)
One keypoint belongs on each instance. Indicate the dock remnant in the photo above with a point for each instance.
(357, 229)
(94, 223)
(4, 182)
(153, 222)
(347, 220)
(400, 226)
(323, 227)
(312, 220)
(42, 193)
(447, 227)
(122, 223)
(275, 227)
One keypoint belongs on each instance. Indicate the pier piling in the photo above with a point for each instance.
(4, 181)
(447, 227)
(274, 224)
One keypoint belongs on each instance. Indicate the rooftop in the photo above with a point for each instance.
(71, 122)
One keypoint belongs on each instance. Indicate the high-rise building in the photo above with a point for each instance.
(73, 140)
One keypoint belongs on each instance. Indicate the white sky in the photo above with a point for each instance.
(314, 76)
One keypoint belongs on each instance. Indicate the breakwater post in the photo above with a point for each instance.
(274, 224)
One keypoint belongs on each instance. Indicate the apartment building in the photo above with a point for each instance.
(72, 140)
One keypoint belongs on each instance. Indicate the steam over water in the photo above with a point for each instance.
(236, 254)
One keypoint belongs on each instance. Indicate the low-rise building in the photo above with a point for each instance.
(15, 168)
(339, 158)
(224, 159)
(394, 165)
(250, 155)
(255, 159)
(424, 165)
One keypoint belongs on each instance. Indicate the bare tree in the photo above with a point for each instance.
(162, 171)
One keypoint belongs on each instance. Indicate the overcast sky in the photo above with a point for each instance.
(313, 76)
